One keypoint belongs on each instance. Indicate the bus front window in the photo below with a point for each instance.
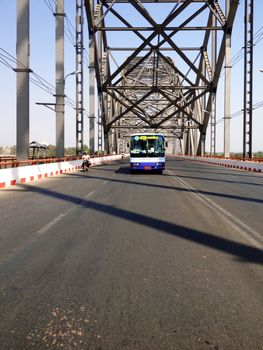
(147, 146)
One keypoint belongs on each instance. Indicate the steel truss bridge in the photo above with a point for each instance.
(161, 85)
(147, 74)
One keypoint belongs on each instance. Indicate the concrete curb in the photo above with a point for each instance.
(13, 176)
(229, 163)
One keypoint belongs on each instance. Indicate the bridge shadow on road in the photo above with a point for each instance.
(127, 170)
(191, 167)
(242, 252)
(171, 188)
(217, 180)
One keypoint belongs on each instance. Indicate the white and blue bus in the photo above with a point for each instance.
(147, 152)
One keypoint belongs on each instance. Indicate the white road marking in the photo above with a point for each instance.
(89, 194)
(52, 223)
(246, 231)
(104, 182)
(60, 217)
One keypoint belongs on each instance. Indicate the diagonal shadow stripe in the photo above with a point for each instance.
(174, 188)
(243, 252)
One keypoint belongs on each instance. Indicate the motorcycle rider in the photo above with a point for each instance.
(85, 160)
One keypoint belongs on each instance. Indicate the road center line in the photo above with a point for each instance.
(247, 232)
(52, 223)
(89, 194)
(60, 217)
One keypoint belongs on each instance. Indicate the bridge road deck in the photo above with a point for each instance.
(114, 260)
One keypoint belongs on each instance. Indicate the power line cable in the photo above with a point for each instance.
(69, 30)
(240, 112)
(47, 2)
(38, 81)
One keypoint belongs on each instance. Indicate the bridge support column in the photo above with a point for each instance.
(60, 81)
(106, 142)
(92, 39)
(91, 93)
(79, 77)
(22, 100)
(202, 145)
(227, 89)
(248, 78)
(213, 98)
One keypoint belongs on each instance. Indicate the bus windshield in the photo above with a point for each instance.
(147, 146)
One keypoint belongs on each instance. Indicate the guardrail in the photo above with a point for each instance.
(9, 158)
(11, 162)
(16, 163)
(255, 166)
(253, 159)
(31, 170)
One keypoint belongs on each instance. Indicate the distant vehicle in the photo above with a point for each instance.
(147, 152)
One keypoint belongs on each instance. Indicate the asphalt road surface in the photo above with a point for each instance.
(109, 260)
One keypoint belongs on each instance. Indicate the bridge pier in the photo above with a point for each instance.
(22, 70)
(60, 81)
(91, 93)
(227, 88)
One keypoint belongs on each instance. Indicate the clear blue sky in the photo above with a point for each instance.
(42, 62)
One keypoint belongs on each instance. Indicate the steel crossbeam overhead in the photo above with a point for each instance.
(157, 66)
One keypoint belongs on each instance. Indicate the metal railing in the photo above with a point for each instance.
(11, 162)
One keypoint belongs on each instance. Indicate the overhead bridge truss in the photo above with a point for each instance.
(157, 66)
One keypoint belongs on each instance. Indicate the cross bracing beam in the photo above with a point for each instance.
(164, 82)
(147, 127)
(149, 29)
(154, 1)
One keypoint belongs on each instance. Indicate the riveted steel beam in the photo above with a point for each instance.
(159, 84)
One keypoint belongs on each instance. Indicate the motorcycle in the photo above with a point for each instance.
(85, 165)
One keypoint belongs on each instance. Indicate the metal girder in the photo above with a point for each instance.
(22, 76)
(218, 67)
(60, 80)
(147, 127)
(149, 29)
(162, 84)
(79, 77)
(248, 78)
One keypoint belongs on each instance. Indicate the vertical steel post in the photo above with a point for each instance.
(110, 135)
(22, 99)
(202, 135)
(60, 82)
(192, 142)
(182, 147)
(91, 86)
(100, 97)
(248, 78)
(100, 122)
(227, 106)
(213, 102)
(79, 77)
(213, 126)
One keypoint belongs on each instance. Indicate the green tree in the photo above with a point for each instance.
(13, 150)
